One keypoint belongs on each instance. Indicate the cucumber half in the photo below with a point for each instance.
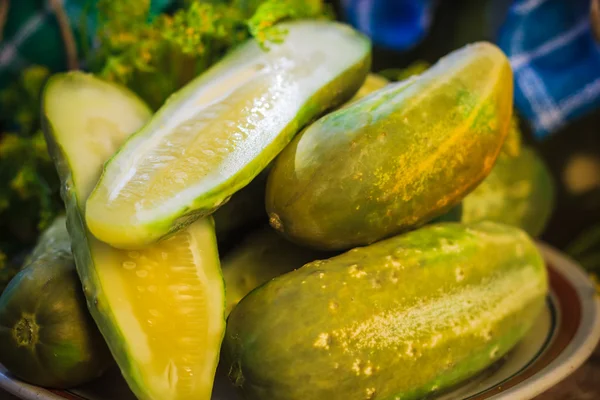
(160, 309)
(214, 136)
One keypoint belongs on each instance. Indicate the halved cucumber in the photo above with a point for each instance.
(160, 309)
(216, 134)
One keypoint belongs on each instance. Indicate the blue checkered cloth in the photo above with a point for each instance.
(555, 60)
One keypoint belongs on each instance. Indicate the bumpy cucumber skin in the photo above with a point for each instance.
(398, 157)
(331, 95)
(262, 256)
(399, 319)
(519, 191)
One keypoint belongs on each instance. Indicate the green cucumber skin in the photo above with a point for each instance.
(67, 350)
(399, 319)
(520, 191)
(262, 256)
(397, 158)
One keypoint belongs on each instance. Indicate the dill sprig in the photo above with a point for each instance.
(155, 56)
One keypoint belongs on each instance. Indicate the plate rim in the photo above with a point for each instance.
(27, 391)
(579, 349)
(583, 343)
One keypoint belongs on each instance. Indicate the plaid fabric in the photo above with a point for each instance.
(555, 59)
(32, 35)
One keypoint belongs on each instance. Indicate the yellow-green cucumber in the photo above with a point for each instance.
(399, 319)
(397, 158)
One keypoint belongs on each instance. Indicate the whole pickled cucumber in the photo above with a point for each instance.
(397, 158)
(399, 319)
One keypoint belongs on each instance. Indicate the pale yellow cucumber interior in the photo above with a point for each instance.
(91, 119)
(165, 303)
(168, 302)
(216, 127)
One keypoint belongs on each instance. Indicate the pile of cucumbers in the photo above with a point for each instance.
(389, 253)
